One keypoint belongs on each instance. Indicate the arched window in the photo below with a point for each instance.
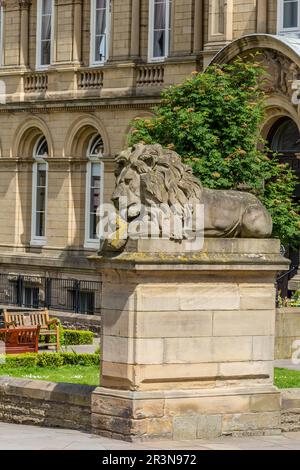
(39, 192)
(285, 137)
(94, 191)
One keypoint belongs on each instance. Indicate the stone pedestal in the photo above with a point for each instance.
(188, 340)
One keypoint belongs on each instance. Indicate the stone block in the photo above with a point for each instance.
(209, 426)
(265, 402)
(250, 421)
(262, 369)
(185, 427)
(263, 348)
(209, 297)
(161, 428)
(122, 426)
(257, 298)
(168, 324)
(241, 322)
(132, 351)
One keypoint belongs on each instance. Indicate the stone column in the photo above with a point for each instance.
(77, 25)
(198, 26)
(24, 29)
(135, 29)
(188, 340)
(261, 16)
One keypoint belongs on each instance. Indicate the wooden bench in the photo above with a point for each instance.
(32, 319)
(20, 340)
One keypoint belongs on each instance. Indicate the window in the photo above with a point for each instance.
(39, 193)
(159, 29)
(288, 16)
(100, 21)
(44, 32)
(94, 190)
(31, 297)
(286, 137)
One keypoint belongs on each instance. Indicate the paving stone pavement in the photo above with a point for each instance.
(21, 437)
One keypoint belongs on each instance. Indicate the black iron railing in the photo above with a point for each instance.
(33, 291)
(282, 283)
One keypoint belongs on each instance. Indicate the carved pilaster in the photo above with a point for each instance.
(135, 28)
(24, 28)
(24, 4)
(77, 25)
(198, 26)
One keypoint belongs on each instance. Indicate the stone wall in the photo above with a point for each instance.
(44, 403)
(290, 409)
(287, 331)
(78, 321)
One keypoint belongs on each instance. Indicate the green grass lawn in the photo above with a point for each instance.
(87, 375)
(285, 378)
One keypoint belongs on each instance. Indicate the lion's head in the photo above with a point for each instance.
(150, 175)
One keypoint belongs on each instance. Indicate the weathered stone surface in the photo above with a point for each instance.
(150, 175)
(287, 331)
(243, 322)
(185, 427)
(45, 403)
(186, 358)
(209, 426)
(160, 428)
(265, 402)
(121, 426)
(263, 348)
(203, 405)
(250, 421)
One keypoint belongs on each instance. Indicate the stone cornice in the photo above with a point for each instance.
(79, 105)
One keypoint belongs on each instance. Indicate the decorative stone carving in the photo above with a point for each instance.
(149, 176)
(281, 71)
(24, 3)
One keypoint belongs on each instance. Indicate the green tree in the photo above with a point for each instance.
(213, 121)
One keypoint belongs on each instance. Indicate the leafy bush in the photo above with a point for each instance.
(52, 339)
(75, 337)
(69, 337)
(213, 120)
(49, 359)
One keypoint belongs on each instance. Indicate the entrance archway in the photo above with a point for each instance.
(284, 139)
(280, 57)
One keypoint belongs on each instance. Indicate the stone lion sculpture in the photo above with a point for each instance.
(149, 176)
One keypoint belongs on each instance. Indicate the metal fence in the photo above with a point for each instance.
(72, 295)
(282, 282)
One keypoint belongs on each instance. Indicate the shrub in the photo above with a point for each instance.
(75, 337)
(213, 120)
(52, 339)
(69, 337)
(49, 360)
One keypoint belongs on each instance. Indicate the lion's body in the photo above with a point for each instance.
(234, 214)
(150, 176)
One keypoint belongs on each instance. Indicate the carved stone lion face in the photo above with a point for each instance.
(150, 175)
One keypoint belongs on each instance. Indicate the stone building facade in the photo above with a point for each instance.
(74, 74)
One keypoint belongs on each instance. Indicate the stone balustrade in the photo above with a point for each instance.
(35, 82)
(89, 79)
(150, 75)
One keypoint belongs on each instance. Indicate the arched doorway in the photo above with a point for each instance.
(284, 139)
